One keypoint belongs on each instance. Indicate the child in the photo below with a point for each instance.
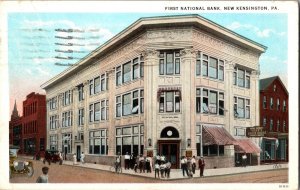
(156, 168)
(44, 177)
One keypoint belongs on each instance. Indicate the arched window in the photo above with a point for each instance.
(169, 132)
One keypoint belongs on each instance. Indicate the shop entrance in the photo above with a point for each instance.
(170, 149)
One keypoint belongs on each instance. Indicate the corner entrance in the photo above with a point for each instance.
(170, 149)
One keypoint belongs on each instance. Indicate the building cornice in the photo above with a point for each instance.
(143, 24)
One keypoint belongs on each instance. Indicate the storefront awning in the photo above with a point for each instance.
(215, 135)
(246, 146)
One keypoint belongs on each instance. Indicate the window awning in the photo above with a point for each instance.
(246, 146)
(215, 135)
(168, 89)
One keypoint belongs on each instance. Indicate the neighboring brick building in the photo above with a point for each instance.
(274, 100)
(29, 131)
(34, 123)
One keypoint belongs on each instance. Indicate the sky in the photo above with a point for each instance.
(39, 46)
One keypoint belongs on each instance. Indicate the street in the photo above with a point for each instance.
(70, 174)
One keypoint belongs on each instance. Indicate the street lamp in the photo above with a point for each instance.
(188, 142)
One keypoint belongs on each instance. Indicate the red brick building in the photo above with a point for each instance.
(274, 118)
(29, 131)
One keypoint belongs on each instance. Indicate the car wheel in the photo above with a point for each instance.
(30, 171)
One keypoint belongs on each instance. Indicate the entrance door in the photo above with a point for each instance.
(78, 152)
(66, 152)
(171, 151)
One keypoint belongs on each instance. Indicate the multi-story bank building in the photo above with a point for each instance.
(175, 85)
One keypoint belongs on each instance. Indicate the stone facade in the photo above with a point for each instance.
(184, 41)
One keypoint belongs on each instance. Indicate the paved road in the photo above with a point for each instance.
(71, 174)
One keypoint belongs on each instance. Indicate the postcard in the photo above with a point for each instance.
(144, 94)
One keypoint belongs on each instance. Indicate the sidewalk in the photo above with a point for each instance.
(177, 173)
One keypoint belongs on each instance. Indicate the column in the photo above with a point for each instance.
(188, 100)
(254, 104)
(229, 94)
(111, 103)
(150, 99)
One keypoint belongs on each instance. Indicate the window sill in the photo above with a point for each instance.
(208, 78)
(128, 82)
(129, 116)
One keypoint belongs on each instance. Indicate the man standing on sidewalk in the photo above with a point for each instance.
(201, 166)
(82, 158)
(127, 158)
(184, 165)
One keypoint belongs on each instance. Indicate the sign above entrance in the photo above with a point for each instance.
(255, 131)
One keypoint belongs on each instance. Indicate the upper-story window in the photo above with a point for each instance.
(241, 77)
(53, 122)
(208, 66)
(130, 103)
(241, 107)
(283, 126)
(271, 124)
(278, 125)
(67, 118)
(169, 101)
(271, 103)
(278, 104)
(67, 98)
(53, 103)
(274, 87)
(265, 102)
(264, 121)
(81, 117)
(129, 71)
(169, 63)
(209, 101)
(98, 84)
(284, 106)
(80, 92)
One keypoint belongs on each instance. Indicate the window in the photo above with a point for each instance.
(118, 76)
(271, 103)
(278, 125)
(98, 142)
(241, 77)
(274, 88)
(42, 144)
(91, 113)
(81, 116)
(67, 142)
(67, 98)
(67, 118)
(53, 122)
(198, 100)
(129, 71)
(96, 85)
(284, 106)
(284, 127)
(80, 93)
(169, 63)
(264, 121)
(130, 103)
(265, 102)
(97, 111)
(52, 103)
(126, 72)
(53, 142)
(209, 101)
(278, 104)
(209, 66)
(169, 101)
(240, 131)
(104, 110)
(271, 124)
(198, 139)
(130, 139)
(241, 108)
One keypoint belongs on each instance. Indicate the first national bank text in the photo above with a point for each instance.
(218, 8)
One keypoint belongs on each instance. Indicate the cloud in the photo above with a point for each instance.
(43, 72)
(262, 33)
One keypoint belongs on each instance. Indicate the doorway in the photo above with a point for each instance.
(78, 152)
(65, 152)
(170, 149)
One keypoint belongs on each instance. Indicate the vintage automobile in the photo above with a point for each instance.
(18, 166)
(52, 156)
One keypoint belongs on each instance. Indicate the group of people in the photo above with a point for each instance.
(162, 166)
(188, 166)
(82, 156)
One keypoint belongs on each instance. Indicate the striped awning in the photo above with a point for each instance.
(246, 146)
(216, 135)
